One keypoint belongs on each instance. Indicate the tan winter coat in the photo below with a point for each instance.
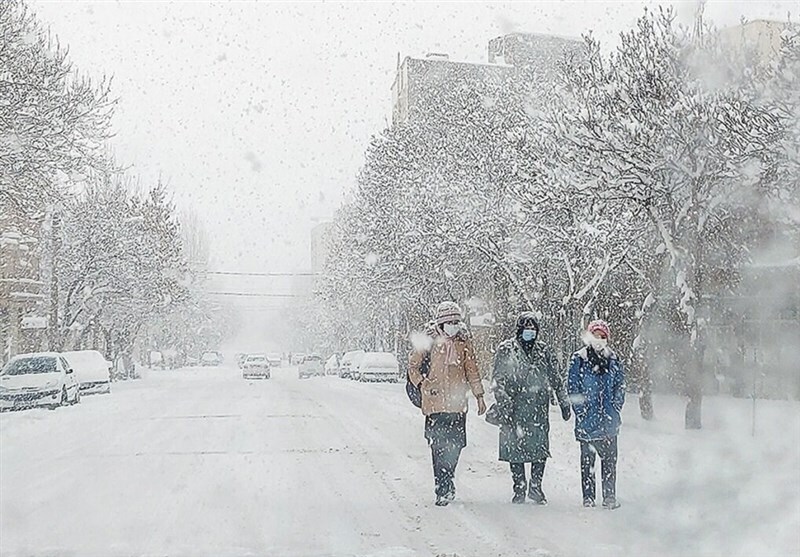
(445, 388)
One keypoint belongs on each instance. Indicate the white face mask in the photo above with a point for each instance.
(451, 329)
(599, 344)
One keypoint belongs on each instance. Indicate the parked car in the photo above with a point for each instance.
(92, 370)
(379, 366)
(332, 365)
(349, 363)
(240, 359)
(311, 366)
(170, 358)
(256, 366)
(156, 359)
(296, 359)
(211, 358)
(42, 379)
(274, 359)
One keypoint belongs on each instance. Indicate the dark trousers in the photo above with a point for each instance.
(607, 449)
(518, 475)
(445, 460)
(447, 435)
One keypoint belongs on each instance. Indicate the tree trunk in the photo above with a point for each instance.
(694, 409)
(694, 279)
(646, 406)
(694, 391)
(646, 389)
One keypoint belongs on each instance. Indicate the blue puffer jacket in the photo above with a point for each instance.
(596, 398)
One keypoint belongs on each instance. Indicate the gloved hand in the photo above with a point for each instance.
(565, 413)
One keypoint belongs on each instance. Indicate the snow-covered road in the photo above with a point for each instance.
(201, 462)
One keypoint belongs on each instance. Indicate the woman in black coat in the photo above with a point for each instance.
(524, 373)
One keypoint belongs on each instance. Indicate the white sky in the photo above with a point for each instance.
(258, 114)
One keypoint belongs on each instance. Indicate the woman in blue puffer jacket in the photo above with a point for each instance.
(596, 386)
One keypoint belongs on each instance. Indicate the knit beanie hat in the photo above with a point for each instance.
(599, 326)
(448, 311)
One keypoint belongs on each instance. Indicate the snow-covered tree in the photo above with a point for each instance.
(119, 266)
(643, 126)
(53, 123)
(635, 193)
(780, 93)
(427, 221)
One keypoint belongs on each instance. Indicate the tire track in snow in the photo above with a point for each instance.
(380, 407)
(409, 518)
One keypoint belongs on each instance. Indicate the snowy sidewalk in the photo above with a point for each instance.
(200, 462)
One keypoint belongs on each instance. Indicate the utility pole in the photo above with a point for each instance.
(55, 249)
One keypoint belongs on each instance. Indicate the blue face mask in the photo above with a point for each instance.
(528, 335)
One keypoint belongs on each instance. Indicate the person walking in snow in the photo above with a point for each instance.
(445, 370)
(596, 386)
(524, 373)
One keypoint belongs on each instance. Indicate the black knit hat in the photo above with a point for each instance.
(526, 319)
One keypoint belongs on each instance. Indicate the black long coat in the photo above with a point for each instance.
(521, 386)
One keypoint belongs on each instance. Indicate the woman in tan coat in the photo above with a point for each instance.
(445, 370)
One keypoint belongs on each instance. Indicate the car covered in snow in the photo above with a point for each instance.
(211, 358)
(332, 365)
(256, 366)
(311, 366)
(349, 363)
(275, 359)
(155, 359)
(41, 379)
(92, 370)
(378, 366)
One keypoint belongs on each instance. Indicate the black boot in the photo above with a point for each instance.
(536, 494)
(520, 482)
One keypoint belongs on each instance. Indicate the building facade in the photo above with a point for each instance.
(516, 62)
(22, 299)
(761, 37)
(539, 56)
(422, 84)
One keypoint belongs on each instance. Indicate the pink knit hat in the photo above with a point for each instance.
(599, 326)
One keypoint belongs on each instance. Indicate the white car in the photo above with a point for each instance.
(378, 366)
(332, 365)
(349, 364)
(256, 366)
(211, 358)
(91, 369)
(311, 366)
(274, 359)
(43, 379)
